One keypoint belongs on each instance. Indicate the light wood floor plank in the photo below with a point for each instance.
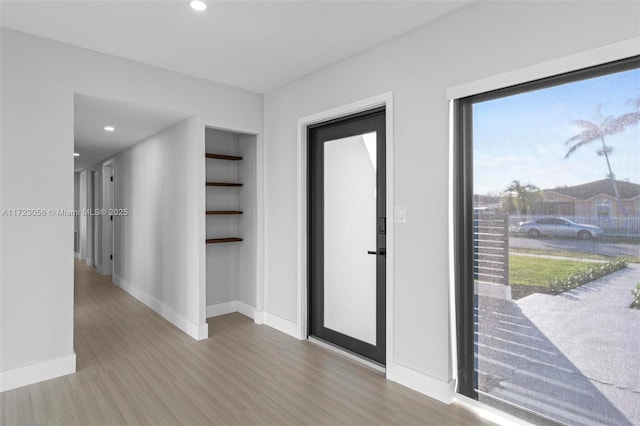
(135, 368)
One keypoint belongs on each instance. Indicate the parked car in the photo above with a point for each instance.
(559, 227)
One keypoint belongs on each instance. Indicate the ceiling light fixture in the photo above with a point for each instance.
(109, 128)
(75, 154)
(198, 5)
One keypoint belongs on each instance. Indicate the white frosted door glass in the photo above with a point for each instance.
(349, 232)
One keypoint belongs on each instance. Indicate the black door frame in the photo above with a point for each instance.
(319, 133)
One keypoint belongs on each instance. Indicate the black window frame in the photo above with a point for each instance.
(463, 204)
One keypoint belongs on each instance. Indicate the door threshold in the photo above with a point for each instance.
(348, 354)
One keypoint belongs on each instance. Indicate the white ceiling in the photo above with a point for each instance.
(132, 122)
(255, 45)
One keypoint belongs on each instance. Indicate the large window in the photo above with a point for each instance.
(548, 247)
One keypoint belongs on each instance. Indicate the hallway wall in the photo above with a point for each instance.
(158, 241)
(483, 40)
(39, 78)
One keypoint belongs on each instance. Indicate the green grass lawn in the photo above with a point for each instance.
(539, 271)
(562, 253)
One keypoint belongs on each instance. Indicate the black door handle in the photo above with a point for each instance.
(381, 253)
(372, 252)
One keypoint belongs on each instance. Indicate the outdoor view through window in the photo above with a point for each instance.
(556, 209)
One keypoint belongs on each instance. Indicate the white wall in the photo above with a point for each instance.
(486, 39)
(248, 222)
(39, 78)
(158, 242)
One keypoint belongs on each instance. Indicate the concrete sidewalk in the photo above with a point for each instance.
(573, 358)
(594, 328)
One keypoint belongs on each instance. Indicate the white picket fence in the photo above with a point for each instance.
(615, 226)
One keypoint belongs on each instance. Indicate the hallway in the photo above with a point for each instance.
(136, 368)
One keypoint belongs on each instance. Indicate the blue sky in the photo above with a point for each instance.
(522, 137)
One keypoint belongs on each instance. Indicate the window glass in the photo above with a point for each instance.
(555, 287)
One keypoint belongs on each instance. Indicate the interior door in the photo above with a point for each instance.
(97, 220)
(107, 220)
(347, 233)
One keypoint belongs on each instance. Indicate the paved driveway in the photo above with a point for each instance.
(573, 357)
(595, 329)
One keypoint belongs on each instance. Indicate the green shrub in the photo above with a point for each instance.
(636, 294)
(572, 281)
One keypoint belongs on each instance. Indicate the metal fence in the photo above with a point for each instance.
(615, 226)
(491, 248)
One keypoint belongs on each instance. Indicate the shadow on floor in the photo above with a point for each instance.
(518, 364)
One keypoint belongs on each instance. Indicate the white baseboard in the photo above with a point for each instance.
(427, 385)
(230, 307)
(203, 332)
(222, 309)
(246, 310)
(23, 376)
(89, 262)
(283, 325)
(197, 331)
(76, 255)
(259, 317)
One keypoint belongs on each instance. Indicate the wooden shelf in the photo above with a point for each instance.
(221, 212)
(223, 184)
(223, 157)
(223, 240)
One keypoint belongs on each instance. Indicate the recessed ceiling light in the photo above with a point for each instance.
(198, 5)
(75, 154)
(109, 128)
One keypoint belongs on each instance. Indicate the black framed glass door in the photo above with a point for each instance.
(347, 233)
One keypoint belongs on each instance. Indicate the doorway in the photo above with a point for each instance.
(347, 233)
(96, 205)
(107, 218)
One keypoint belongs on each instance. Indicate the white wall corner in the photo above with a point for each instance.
(230, 307)
(288, 327)
(258, 317)
(194, 330)
(23, 376)
(246, 310)
(222, 309)
(423, 383)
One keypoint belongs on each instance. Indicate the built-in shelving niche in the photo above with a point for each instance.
(231, 217)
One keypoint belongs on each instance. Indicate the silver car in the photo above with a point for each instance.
(559, 227)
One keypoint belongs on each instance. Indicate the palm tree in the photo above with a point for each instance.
(522, 197)
(596, 132)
